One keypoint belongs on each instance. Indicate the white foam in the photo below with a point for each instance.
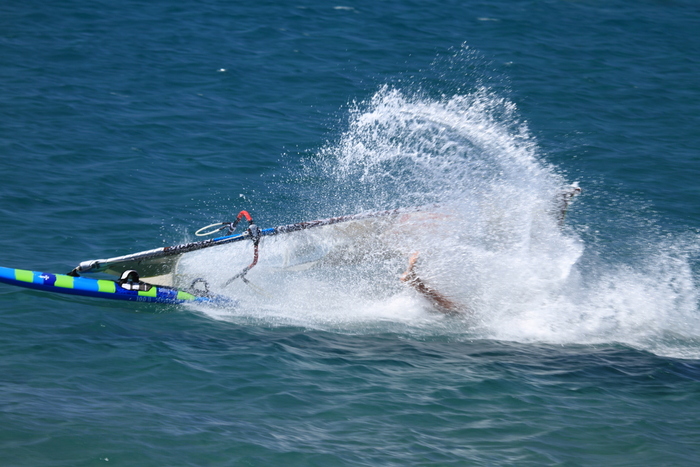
(493, 243)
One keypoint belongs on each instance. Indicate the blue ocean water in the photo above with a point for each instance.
(125, 126)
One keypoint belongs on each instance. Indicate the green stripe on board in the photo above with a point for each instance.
(65, 282)
(24, 276)
(106, 286)
(149, 293)
(184, 295)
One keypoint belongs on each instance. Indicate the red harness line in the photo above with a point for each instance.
(248, 217)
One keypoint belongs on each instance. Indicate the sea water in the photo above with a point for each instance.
(128, 126)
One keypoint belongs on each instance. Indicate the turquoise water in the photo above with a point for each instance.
(127, 126)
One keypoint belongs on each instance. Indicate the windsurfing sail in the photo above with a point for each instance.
(158, 263)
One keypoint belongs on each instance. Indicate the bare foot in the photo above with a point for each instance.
(410, 274)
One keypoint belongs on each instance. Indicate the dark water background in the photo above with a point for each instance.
(126, 126)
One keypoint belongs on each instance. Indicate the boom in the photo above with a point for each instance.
(161, 260)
